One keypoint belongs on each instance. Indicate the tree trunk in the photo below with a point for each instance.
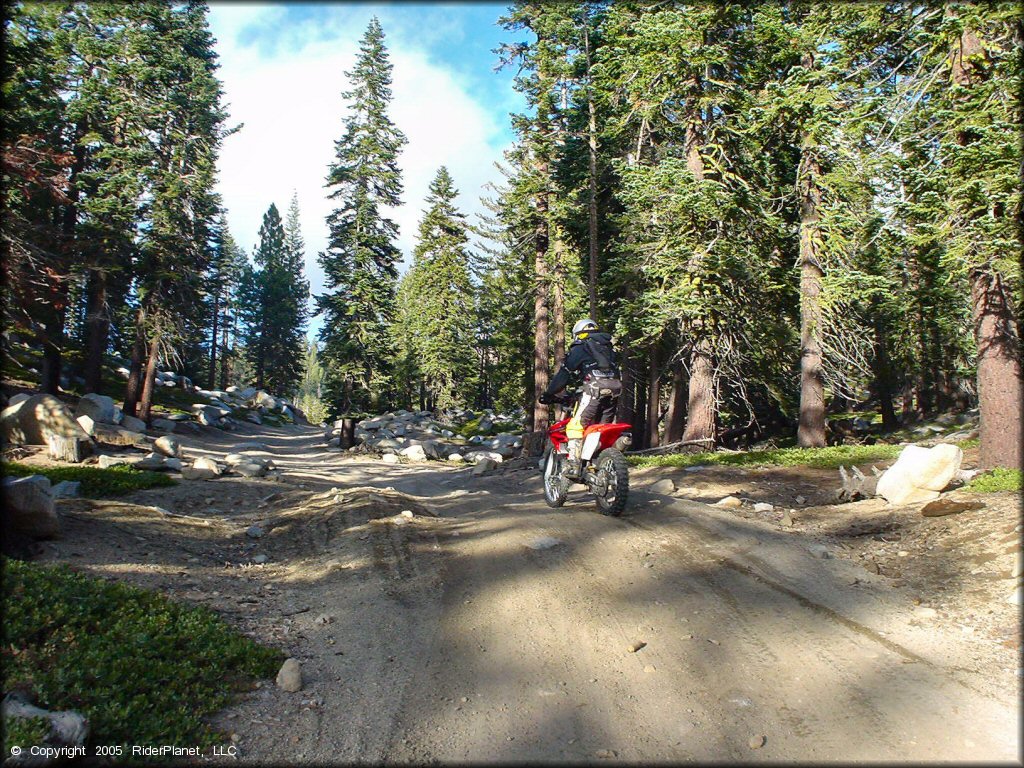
(811, 432)
(213, 342)
(999, 371)
(625, 412)
(149, 382)
(541, 370)
(677, 405)
(653, 399)
(224, 357)
(701, 407)
(592, 244)
(558, 302)
(883, 379)
(133, 389)
(640, 398)
(97, 328)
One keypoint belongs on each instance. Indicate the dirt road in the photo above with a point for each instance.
(488, 627)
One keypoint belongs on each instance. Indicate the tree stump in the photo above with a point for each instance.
(534, 443)
(73, 449)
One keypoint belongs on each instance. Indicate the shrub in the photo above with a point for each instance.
(96, 483)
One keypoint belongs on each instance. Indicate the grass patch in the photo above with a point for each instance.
(830, 457)
(996, 480)
(472, 427)
(96, 483)
(143, 669)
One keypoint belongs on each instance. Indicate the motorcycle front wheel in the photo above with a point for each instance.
(611, 485)
(556, 487)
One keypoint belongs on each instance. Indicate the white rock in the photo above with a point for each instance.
(390, 458)
(105, 462)
(250, 469)
(204, 462)
(198, 473)
(168, 446)
(919, 474)
(289, 678)
(1015, 596)
(730, 502)
(66, 489)
(665, 485)
(414, 453)
(456, 457)
(763, 506)
(98, 407)
(484, 465)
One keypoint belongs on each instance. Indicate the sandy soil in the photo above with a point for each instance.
(487, 627)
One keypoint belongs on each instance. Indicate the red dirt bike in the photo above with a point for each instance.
(603, 467)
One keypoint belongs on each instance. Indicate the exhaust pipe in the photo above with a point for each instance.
(625, 440)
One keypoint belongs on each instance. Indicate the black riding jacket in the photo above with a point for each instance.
(592, 352)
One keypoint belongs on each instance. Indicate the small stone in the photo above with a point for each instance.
(756, 741)
(729, 502)
(636, 646)
(763, 506)
(800, 500)
(235, 738)
(902, 553)
(324, 618)
(260, 559)
(942, 507)
(289, 678)
(390, 458)
(406, 513)
(663, 486)
(605, 754)
(925, 613)
(787, 519)
(168, 446)
(254, 532)
(650, 668)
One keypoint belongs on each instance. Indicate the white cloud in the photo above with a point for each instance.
(291, 106)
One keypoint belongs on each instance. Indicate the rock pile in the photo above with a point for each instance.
(227, 407)
(420, 436)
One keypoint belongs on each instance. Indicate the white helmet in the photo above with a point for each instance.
(586, 324)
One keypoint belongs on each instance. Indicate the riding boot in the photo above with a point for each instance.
(574, 463)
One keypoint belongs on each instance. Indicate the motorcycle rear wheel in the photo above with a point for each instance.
(556, 487)
(611, 464)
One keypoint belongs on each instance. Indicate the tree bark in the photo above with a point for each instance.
(213, 341)
(149, 381)
(653, 398)
(625, 411)
(883, 379)
(999, 371)
(558, 301)
(133, 389)
(811, 431)
(640, 398)
(701, 407)
(97, 328)
(541, 370)
(592, 244)
(677, 405)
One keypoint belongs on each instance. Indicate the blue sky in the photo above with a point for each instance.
(282, 66)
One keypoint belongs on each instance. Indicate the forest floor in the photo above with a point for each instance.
(488, 627)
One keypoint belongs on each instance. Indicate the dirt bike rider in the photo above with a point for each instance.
(591, 356)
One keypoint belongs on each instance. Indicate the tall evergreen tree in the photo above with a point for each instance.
(360, 261)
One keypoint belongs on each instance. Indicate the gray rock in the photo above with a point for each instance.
(18, 398)
(414, 453)
(204, 462)
(179, 417)
(164, 425)
(152, 462)
(260, 559)
(173, 464)
(253, 417)
(30, 507)
(106, 462)
(289, 678)
(250, 469)
(168, 446)
(484, 465)
(476, 440)
(663, 486)
(254, 532)
(919, 474)
(66, 489)
(111, 434)
(477, 455)
(67, 729)
(800, 500)
(198, 473)
(98, 407)
(137, 425)
(251, 445)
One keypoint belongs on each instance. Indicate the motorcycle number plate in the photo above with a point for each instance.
(590, 444)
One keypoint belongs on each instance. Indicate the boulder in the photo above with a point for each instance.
(66, 489)
(106, 462)
(207, 416)
(138, 425)
(168, 446)
(165, 425)
(289, 677)
(456, 458)
(250, 469)
(390, 458)
(206, 463)
(484, 465)
(18, 398)
(45, 420)
(153, 462)
(253, 417)
(494, 456)
(198, 473)
(98, 407)
(665, 485)
(414, 453)
(264, 400)
(111, 434)
(173, 464)
(66, 731)
(919, 474)
(30, 507)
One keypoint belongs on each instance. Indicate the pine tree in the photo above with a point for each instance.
(360, 261)
(438, 299)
